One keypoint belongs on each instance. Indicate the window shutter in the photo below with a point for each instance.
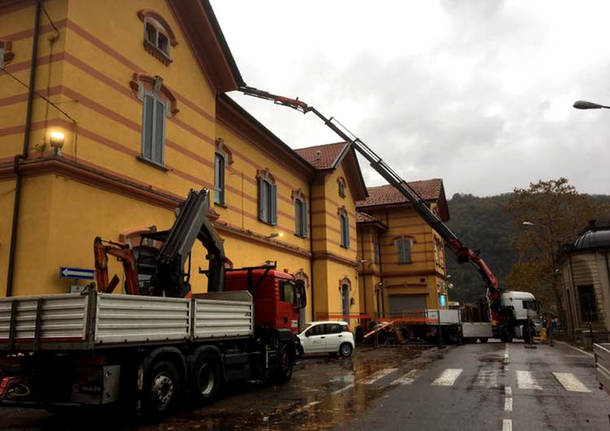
(262, 200)
(304, 214)
(298, 219)
(407, 246)
(159, 131)
(346, 232)
(147, 127)
(273, 204)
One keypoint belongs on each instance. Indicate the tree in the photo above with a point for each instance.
(555, 213)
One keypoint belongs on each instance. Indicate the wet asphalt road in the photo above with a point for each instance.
(393, 388)
(495, 386)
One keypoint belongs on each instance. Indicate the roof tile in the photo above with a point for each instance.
(322, 156)
(388, 194)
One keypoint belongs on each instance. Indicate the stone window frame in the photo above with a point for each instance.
(396, 240)
(152, 20)
(145, 88)
(300, 221)
(344, 227)
(225, 154)
(341, 184)
(267, 211)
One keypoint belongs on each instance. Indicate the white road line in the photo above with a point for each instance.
(508, 391)
(448, 377)
(406, 379)
(378, 375)
(343, 389)
(570, 382)
(508, 404)
(525, 380)
(507, 425)
(577, 349)
(487, 378)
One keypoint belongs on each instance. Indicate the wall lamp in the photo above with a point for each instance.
(275, 235)
(57, 141)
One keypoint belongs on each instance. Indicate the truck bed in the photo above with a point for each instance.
(94, 320)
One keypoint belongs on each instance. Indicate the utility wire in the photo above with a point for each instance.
(48, 17)
(39, 95)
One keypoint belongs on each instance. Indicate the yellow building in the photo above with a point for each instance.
(128, 113)
(402, 257)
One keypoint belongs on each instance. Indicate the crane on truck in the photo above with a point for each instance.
(501, 315)
(159, 344)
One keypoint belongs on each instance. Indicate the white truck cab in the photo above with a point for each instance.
(523, 303)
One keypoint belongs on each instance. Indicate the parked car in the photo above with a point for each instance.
(327, 337)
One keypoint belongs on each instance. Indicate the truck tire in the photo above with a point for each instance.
(283, 373)
(162, 388)
(345, 350)
(451, 337)
(483, 340)
(205, 378)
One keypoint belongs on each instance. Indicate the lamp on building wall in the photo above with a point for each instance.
(275, 235)
(583, 104)
(56, 140)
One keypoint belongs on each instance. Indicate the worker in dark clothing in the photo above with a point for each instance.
(549, 329)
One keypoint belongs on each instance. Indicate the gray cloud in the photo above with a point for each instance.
(476, 92)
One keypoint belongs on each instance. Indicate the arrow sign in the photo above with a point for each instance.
(76, 273)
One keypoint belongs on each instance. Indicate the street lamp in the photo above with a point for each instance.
(583, 104)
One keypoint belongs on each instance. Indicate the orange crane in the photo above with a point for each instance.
(502, 317)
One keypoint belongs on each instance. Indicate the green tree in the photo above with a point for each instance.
(554, 213)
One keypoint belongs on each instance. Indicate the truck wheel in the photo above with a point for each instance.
(205, 378)
(451, 337)
(483, 340)
(162, 388)
(345, 350)
(284, 366)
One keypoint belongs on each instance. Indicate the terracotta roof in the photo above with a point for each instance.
(429, 190)
(365, 218)
(322, 156)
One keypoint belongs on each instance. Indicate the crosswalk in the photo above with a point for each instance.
(486, 377)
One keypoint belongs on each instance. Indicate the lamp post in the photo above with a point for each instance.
(583, 104)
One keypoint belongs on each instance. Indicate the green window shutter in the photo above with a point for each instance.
(298, 217)
(159, 135)
(304, 222)
(346, 232)
(147, 126)
(262, 200)
(407, 246)
(273, 204)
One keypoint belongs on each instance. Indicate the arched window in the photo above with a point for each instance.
(222, 158)
(300, 213)
(158, 104)
(341, 186)
(403, 245)
(344, 227)
(158, 36)
(267, 197)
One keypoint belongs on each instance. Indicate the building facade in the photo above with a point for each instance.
(130, 112)
(584, 269)
(402, 259)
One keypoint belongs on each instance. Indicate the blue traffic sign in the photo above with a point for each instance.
(76, 273)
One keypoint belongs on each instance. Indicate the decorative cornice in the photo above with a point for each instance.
(153, 83)
(320, 255)
(167, 30)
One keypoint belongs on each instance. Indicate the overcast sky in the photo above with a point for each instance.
(477, 92)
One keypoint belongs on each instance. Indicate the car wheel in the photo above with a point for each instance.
(162, 388)
(345, 350)
(205, 378)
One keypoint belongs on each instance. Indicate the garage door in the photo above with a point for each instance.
(399, 304)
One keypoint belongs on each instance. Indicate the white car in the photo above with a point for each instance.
(327, 337)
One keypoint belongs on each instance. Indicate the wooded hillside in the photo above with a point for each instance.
(482, 224)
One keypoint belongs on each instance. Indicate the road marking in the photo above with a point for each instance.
(448, 377)
(378, 375)
(508, 391)
(570, 382)
(345, 388)
(487, 378)
(577, 349)
(525, 380)
(407, 379)
(508, 404)
(507, 425)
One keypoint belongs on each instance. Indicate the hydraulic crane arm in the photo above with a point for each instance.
(463, 253)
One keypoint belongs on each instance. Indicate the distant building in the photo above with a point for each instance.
(402, 258)
(584, 280)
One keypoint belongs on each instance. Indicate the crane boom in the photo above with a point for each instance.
(463, 253)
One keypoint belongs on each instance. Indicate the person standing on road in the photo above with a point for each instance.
(549, 329)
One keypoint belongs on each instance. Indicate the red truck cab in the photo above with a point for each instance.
(278, 296)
